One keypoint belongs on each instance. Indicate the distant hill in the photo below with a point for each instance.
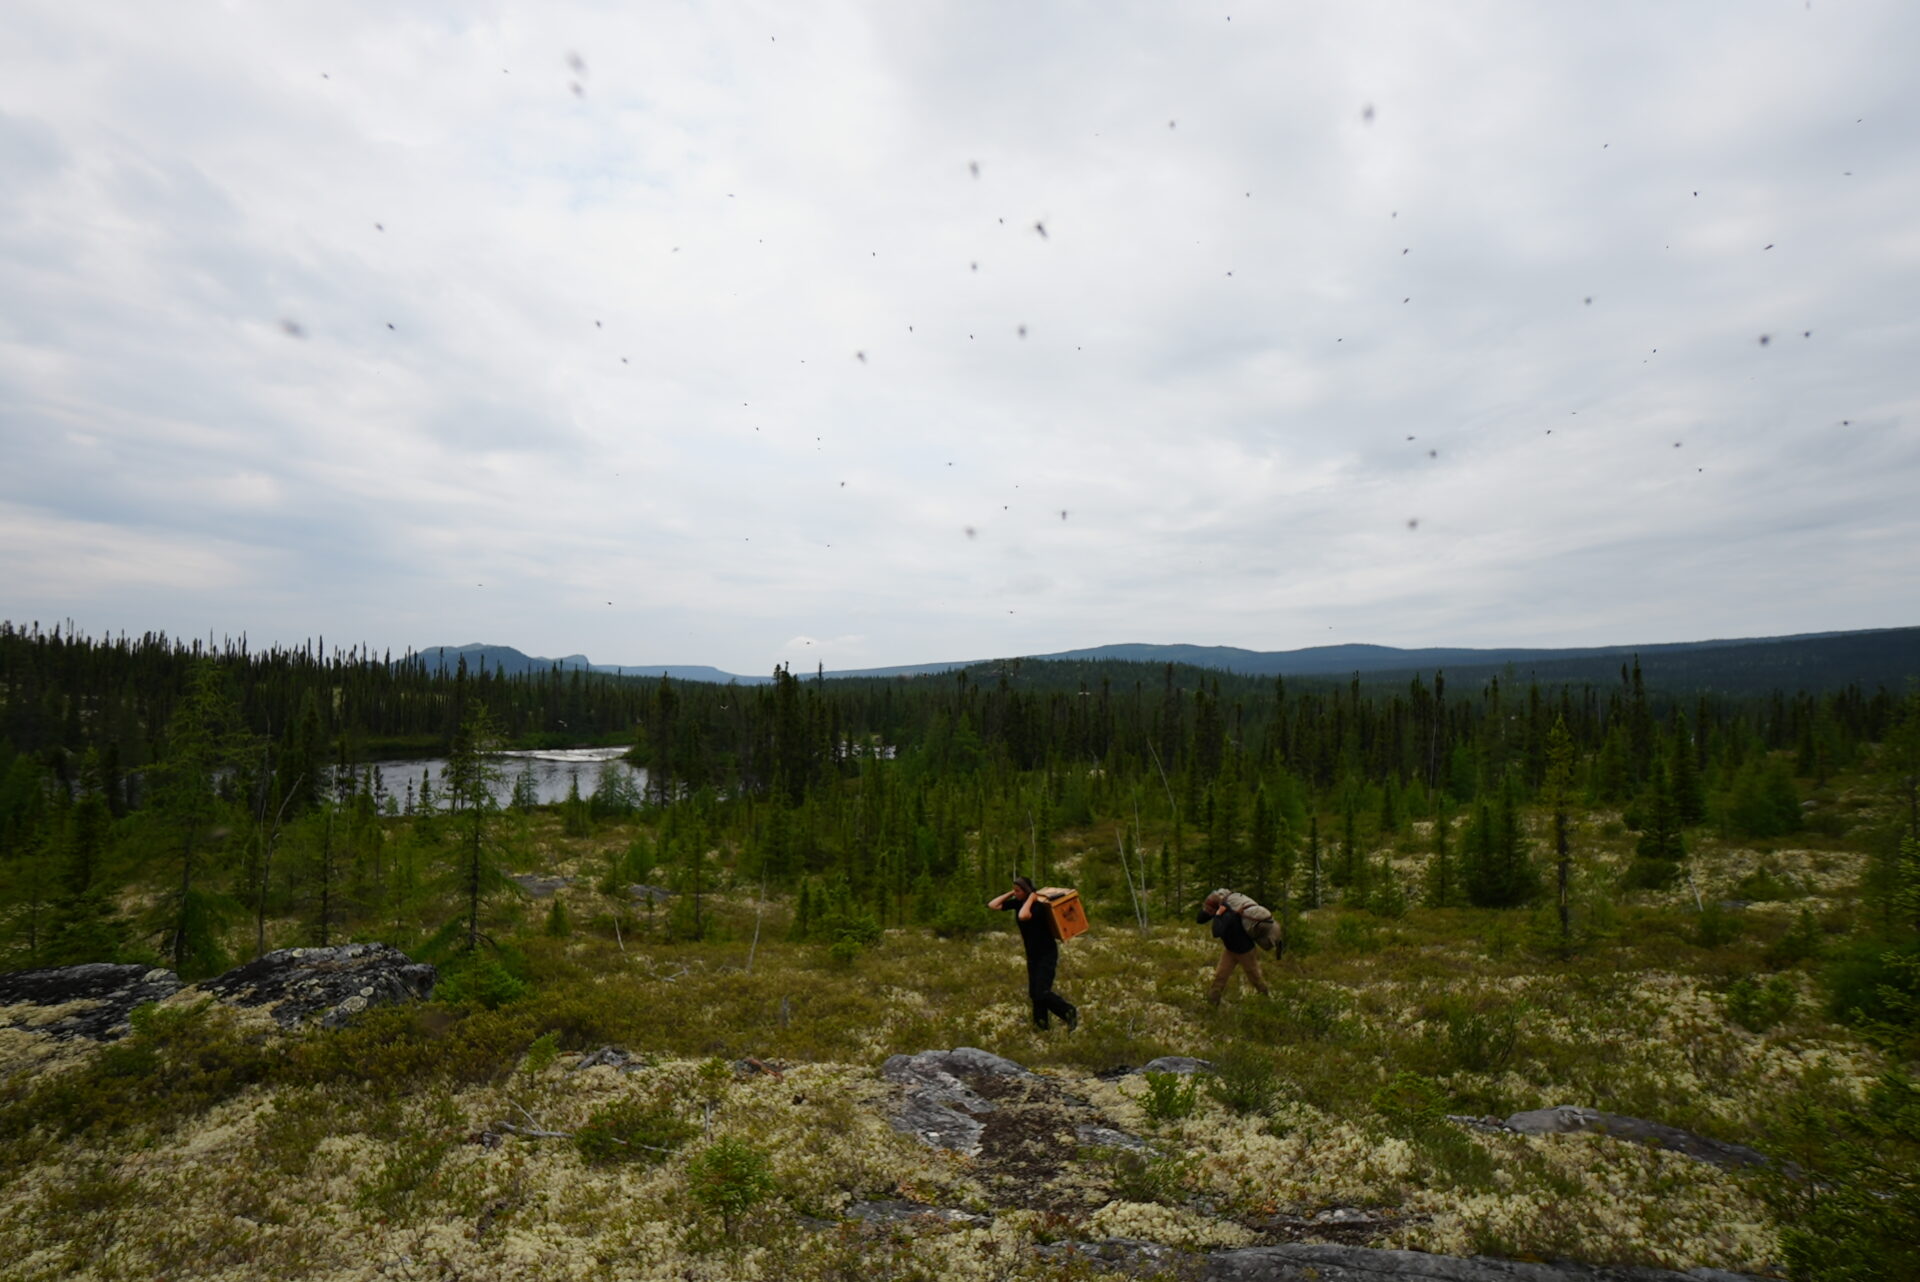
(505, 659)
(495, 658)
(1813, 660)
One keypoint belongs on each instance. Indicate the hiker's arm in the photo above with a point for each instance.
(999, 901)
(1026, 907)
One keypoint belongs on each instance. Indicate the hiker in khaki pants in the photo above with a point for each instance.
(1236, 946)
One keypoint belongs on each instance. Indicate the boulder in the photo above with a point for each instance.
(334, 984)
(93, 1001)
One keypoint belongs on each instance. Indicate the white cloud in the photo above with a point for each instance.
(741, 214)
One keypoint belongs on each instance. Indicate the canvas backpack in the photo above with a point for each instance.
(1259, 921)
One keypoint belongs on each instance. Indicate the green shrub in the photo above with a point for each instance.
(1650, 874)
(1480, 1041)
(1873, 982)
(728, 1178)
(174, 1063)
(1410, 1102)
(1804, 941)
(1169, 1096)
(1853, 1215)
(541, 1054)
(1757, 1007)
(557, 923)
(636, 1128)
(1354, 935)
(1143, 1175)
(479, 979)
(1764, 885)
(1716, 927)
(1245, 1081)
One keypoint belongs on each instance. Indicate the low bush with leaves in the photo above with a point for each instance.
(1245, 1081)
(1169, 1096)
(1756, 1005)
(634, 1128)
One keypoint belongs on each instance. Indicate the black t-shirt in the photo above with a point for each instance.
(1229, 930)
(1035, 934)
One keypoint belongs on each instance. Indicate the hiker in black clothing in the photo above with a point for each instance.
(1236, 946)
(1043, 956)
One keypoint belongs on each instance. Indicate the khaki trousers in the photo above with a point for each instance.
(1248, 961)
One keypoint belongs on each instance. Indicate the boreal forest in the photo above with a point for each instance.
(1679, 898)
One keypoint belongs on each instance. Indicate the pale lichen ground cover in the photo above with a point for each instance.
(330, 1182)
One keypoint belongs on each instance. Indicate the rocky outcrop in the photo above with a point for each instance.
(538, 886)
(332, 984)
(94, 1001)
(936, 1101)
(1568, 1118)
(1182, 1064)
(1021, 1128)
(1316, 1262)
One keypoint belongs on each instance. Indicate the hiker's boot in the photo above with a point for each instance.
(1072, 1018)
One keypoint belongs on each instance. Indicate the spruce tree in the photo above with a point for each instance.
(1662, 845)
(1443, 877)
(204, 740)
(1683, 768)
(473, 776)
(1559, 787)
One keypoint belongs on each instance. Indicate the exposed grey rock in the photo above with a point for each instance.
(892, 1211)
(614, 1057)
(650, 894)
(1128, 1257)
(935, 1104)
(986, 1106)
(1098, 1136)
(1312, 1262)
(1318, 1262)
(1568, 1118)
(536, 885)
(1164, 1064)
(334, 983)
(101, 996)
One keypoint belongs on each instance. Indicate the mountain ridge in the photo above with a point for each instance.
(1341, 660)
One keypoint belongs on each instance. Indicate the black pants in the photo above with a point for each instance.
(1040, 972)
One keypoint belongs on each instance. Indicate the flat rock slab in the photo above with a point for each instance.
(1568, 1118)
(536, 885)
(898, 1212)
(1318, 1263)
(93, 1001)
(936, 1104)
(1022, 1130)
(1183, 1064)
(334, 984)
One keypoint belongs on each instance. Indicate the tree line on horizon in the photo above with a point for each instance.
(240, 788)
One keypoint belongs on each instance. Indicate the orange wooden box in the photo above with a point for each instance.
(1066, 915)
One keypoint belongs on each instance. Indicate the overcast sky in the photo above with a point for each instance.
(687, 333)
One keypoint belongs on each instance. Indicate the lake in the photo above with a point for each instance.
(552, 771)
